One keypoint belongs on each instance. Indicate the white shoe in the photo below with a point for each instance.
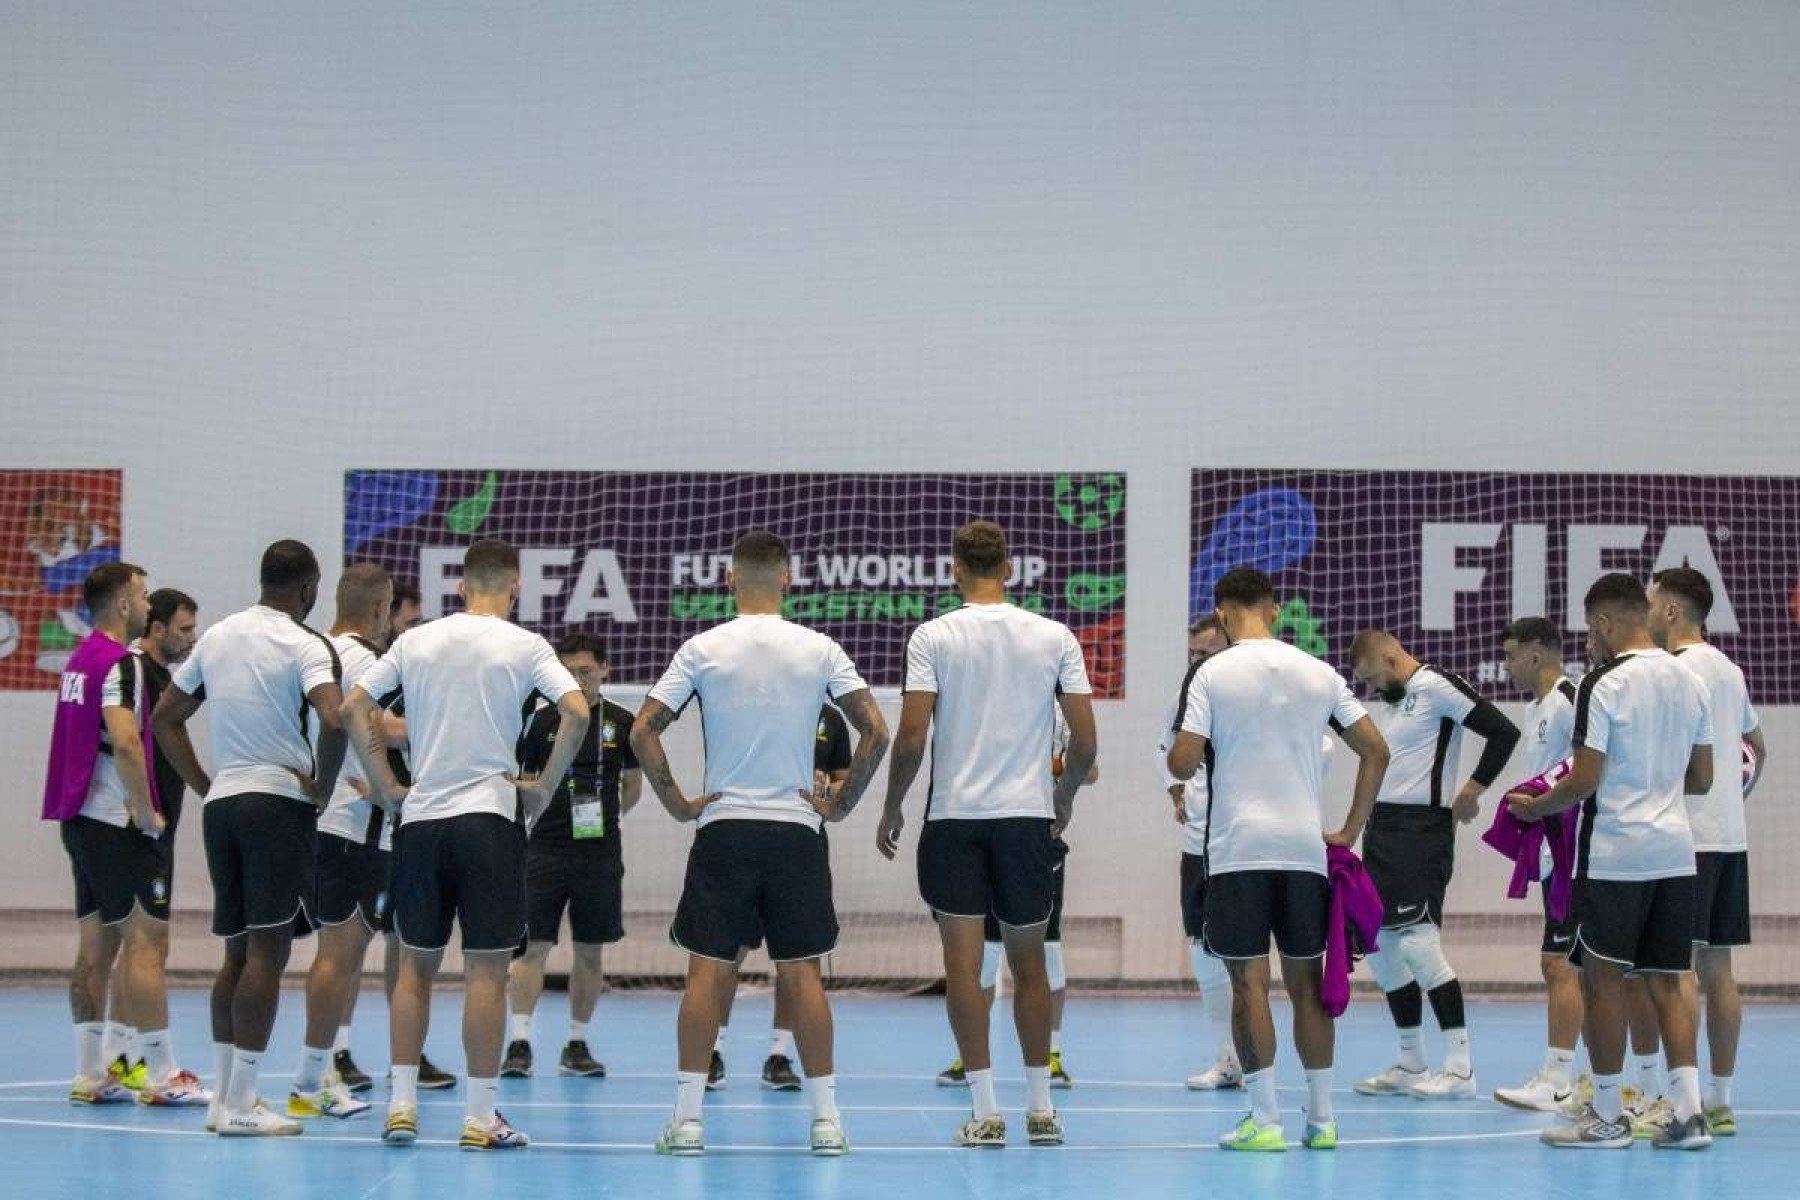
(1444, 1085)
(260, 1121)
(332, 1099)
(683, 1139)
(1540, 1093)
(182, 1089)
(1395, 1081)
(828, 1140)
(1223, 1075)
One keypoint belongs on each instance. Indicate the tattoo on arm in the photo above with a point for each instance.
(871, 746)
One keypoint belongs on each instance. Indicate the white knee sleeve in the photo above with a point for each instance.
(1388, 964)
(991, 954)
(1423, 950)
(1055, 967)
(1209, 972)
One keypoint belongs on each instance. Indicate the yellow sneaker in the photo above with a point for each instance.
(1248, 1135)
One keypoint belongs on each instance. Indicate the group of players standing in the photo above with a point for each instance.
(520, 772)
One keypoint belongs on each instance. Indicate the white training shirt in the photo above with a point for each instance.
(468, 681)
(1645, 712)
(257, 667)
(1263, 706)
(1547, 727)
(761, 681)
(1717, 818)
(122, 688)
(997, 671)
(349, 813)
(1424, 736)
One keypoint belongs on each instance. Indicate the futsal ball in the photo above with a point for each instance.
(9, 634)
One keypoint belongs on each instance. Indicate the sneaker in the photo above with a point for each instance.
(1321, 1137)
(1589, 1131)
(1721, 1120)
(778, 1074)
(1444, 1085)
(1043, 1128)
(98, 1091)
(432, 1078)
(1584, 1096)
(517, 1063)
(982, 1133)
(131, 1078)
(953, 1075)
(1649, 1119)
(1395, 1081)
(402, 1126)
(212, 1114)
(332, 1099)
(1540, 1093)
(260, 1121)
(683, 1139)
(1690, 1133)
(491, 1135)
(1249, 1135)
(1223, 1076)
(715, 1072)
(182, 1089)
(354, 1077)
(578, 1062)
(828, 1140)
(1059, 1074)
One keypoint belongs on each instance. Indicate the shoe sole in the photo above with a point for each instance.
(1609, 1144)
(681, 1151)
(830, 1151)
(1380, 1093)
(329, 1116)
(255, 1133)
(1281, 1149)
(1043, 1140)
(1215, 1087)
(953, 1083)
(357, 1089)
(1522, 1106)
(1062, 1085)
(715, 1087)
(486, 1147)
(1684, 1144)
(400, 1137)
(1452, 1096)
(515, 1074)
(437, 1085)
(981, 1145)
(780, 1087)
(570, 1073)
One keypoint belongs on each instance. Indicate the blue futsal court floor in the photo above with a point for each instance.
(1133, 1130)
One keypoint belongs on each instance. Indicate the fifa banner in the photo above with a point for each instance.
(55, 527)
(1447, 559)
(640, 558)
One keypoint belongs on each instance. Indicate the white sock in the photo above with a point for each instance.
(719, 1045)
(981, 1094)
(311, 1075)
(578, 1031)
(114, 1044)
(1559, 1064)
(1056, 1041)
(1037, 1082)
(1718, 1091)
(781, 1042)
(519, 1027)
(822, 1091)
(1263, 1105)
(483, 1094)
(1649, 1074)
(690, 1094)
(343, 1040)
(222, 1054)
(1456, 1052)
(1318, 1097)
(159, 1059)
(1412, 1050)
(90, 1053)
(245, 1066)
(1684, 1091)
(403, 1085)
(1609, 1099)
(132, 1052)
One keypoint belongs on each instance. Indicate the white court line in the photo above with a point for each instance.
(644, 1148)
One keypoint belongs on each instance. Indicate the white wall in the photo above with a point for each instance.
(243, 247)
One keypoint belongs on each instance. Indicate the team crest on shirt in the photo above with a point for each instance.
(1543, 730)
(1412, 702)
(159, 889)
(381, 903)
(609, 731)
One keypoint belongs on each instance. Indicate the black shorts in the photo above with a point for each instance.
(1639, 924)
(115, 869)
(749, 880)
(353, 882)
(1052, 931)
(591, 886)
(1245, 909)
(1409, 851)
(259, 853)
(1005, 866)
(1559, 936)
(468, 871)
(1193, 895)
(1722, 905)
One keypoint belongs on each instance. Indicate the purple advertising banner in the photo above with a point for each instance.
(1446, 559)
(639, 558)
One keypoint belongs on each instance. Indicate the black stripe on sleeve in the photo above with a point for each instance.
(1584, 699)
(1566, 689)
(1181, 701)
(1454, 680)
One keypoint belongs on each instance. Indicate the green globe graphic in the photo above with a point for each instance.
(1089, 502)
